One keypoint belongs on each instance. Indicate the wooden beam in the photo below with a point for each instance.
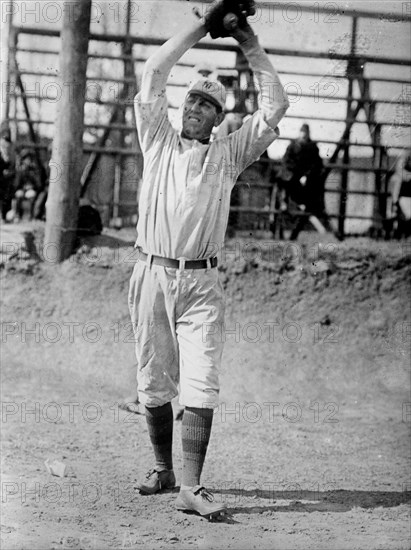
(329, 8)
(32, 133)
(222, 68)
(147, 41)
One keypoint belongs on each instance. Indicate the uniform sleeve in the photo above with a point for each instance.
(257, 133)
(273, 100)
(249, 142)
(152, 121)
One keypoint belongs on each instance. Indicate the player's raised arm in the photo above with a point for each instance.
(273, 98)
(159, 65)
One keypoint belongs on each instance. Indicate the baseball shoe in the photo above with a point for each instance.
(199, 500)
(156, 481)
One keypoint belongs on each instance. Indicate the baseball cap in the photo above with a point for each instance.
(212, 90)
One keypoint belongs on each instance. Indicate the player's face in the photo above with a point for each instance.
(199, 117)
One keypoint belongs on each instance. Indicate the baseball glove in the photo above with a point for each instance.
(224, 16)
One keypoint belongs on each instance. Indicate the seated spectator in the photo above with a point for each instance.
(28, 186)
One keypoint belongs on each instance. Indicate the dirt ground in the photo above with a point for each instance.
(311, 441)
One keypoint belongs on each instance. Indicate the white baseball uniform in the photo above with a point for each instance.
(183, 213)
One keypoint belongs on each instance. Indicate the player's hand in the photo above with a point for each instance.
(243, 33)
(225, 17)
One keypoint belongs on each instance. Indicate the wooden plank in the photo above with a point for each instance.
(348, 98)
(32, 133)
(89, 78)
(329, 8)
(222, 68)
(267, 212)
(146, 41)
(129, 128)
(133, 152)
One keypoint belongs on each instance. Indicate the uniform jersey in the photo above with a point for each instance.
(185, 194)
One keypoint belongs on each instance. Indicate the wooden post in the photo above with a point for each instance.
(11, 100)
(126, 103)
(351, 74)
(33, 135)
(67, 155)
(8, 42)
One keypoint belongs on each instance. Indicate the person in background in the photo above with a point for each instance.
(28, 186)
(7, 172)
(300, 178)
(401, 195)
(39, 208)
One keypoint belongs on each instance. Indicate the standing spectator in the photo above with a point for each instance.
(7, 172)
(39, 208)
(300, 178)
(401, 195)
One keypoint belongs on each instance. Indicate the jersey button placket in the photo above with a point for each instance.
(193, 161)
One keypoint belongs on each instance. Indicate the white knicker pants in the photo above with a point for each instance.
(177, 318)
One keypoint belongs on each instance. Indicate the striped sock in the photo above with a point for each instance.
(195, 433)
(160, 428)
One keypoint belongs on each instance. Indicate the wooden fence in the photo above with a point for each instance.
(116, 138)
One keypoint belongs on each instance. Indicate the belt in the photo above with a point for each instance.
(177, 264)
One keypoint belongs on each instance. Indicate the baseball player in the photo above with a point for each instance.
(175, 293)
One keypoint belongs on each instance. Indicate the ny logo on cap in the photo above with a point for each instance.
(209, 85)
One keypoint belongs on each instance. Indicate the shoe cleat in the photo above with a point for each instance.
(217, 516)
(200, 501)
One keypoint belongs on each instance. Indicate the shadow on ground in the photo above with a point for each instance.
(311, 501)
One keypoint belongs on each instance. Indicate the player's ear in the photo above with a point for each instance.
(219, 119)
